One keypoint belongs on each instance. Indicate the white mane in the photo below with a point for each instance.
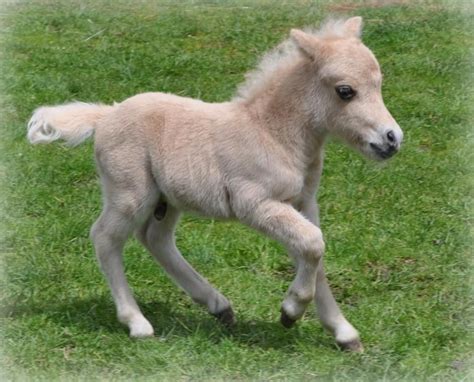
(281, 56)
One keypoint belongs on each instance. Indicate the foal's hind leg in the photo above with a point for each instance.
(109, 234)
(158, 237)
(129, 194)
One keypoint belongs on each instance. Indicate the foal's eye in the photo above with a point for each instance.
(345, 92)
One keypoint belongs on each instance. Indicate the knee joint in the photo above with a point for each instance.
(313, 247)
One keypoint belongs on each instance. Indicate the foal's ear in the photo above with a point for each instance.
(307, 43)
(353, 26)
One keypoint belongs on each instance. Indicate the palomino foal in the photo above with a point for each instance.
(257, 159)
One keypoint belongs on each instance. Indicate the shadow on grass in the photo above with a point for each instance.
(98, 315)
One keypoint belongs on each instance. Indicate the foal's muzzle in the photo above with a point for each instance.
(388, 148)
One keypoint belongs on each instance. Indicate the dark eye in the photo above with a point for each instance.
(345, 92)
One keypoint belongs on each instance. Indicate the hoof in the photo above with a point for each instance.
(286, 320)
(141, 329)
(226, 317)
(354, 346)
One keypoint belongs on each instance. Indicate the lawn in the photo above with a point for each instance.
(398, 240)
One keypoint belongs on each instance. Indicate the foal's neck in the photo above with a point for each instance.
(282, 107)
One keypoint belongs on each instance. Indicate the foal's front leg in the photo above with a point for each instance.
(331, 316)
(327, 308)
(303, 239)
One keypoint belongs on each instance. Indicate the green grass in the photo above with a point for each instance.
(398, 247)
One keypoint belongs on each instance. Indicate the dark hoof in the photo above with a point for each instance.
(286, 320)
(354, 346)
(226, 317)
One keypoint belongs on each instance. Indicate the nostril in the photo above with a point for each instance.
(391, 136)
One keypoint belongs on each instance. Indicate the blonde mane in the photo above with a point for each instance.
(283, 55)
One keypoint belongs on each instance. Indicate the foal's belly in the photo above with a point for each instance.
(214, 204)
(196, 188)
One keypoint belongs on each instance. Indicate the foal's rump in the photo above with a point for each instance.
(119, 148)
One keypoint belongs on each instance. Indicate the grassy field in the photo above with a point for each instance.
(398, 248)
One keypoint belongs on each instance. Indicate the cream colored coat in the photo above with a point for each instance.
(257, 158)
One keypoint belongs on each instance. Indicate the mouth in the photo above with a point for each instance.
(383, 152)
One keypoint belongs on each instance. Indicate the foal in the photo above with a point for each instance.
(256, 158)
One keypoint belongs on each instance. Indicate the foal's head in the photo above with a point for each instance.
(347, 85)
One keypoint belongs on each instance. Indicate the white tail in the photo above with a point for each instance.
(73, 122)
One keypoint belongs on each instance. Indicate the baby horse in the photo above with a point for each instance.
(257, 158)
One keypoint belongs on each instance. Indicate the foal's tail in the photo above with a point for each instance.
(73, 122)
